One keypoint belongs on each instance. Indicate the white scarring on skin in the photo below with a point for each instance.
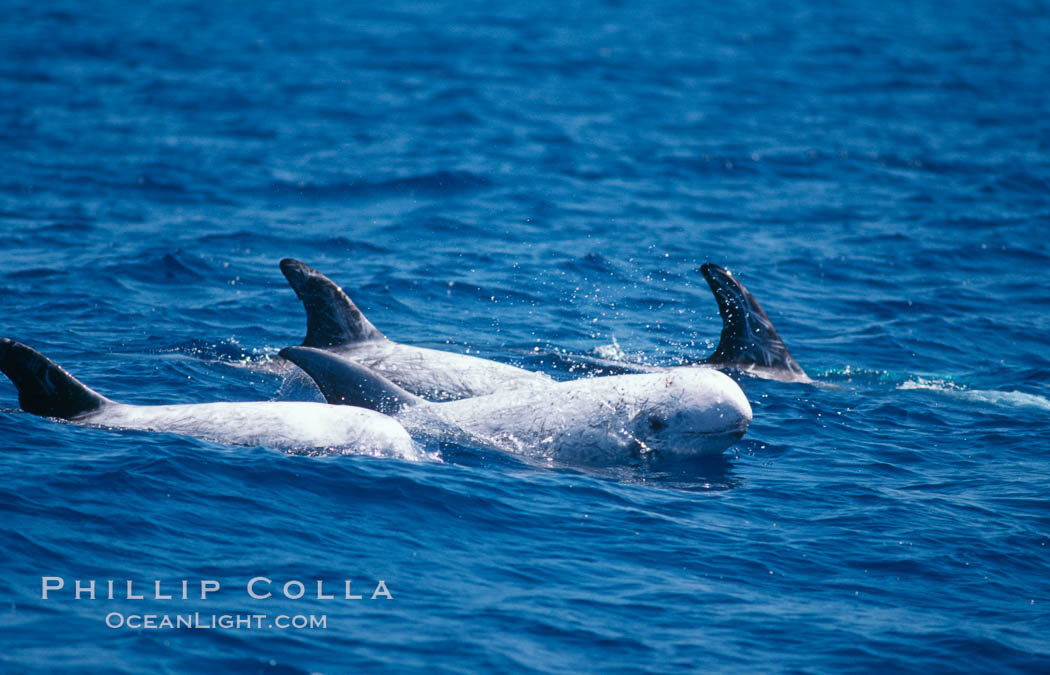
(44, 388)
(598, 421)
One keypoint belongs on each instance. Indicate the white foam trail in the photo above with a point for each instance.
(1007, 399)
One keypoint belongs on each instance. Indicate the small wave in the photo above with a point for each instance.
(1000, 398)
(421, 453)
(611, 351)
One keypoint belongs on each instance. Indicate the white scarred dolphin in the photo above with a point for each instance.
(596, 421)
(45, 389)
(749, 343)
(334, 323)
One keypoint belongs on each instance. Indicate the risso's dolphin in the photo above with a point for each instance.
(748, 343)
(334, 323)
(45, 389)
(597, 421)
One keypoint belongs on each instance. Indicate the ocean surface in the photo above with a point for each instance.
(535, 183)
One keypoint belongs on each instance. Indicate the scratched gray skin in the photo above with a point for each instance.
(440, 375)
(599, 421)
(596, 421)
(45, 389)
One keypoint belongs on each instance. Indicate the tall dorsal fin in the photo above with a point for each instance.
(44, 388)
(344, 382)
(332, 318)
(748, 336)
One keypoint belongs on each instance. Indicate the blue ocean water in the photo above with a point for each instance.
(530, 181)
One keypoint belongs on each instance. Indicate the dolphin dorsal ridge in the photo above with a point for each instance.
(44, 387)
(332, 318)
(344, 382)
(748, 336)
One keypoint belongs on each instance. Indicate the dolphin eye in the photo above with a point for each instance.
(656, 424)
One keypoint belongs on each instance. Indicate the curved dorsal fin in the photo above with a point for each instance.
(44, 388)
(748, 336)
(344, 382)
(332, 319)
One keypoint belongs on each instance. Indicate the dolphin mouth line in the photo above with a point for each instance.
(735, 431)
(686, 439)
(738, 427)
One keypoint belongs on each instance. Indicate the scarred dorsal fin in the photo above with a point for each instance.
(748, 336)
(332, 319)
(44, 388)
(344, 382)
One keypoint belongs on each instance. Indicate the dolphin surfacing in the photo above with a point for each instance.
(46, 389)
(334, 323)
(596, 421)
(749, 343)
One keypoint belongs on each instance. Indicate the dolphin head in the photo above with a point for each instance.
(693, 411)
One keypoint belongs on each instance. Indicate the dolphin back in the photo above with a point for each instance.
(44, 387)
(748, 336)
(332, 319)
(345, 382)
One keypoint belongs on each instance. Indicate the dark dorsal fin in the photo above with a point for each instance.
(332, 319)
(344, 382)
(44, 388)
(748, 336)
